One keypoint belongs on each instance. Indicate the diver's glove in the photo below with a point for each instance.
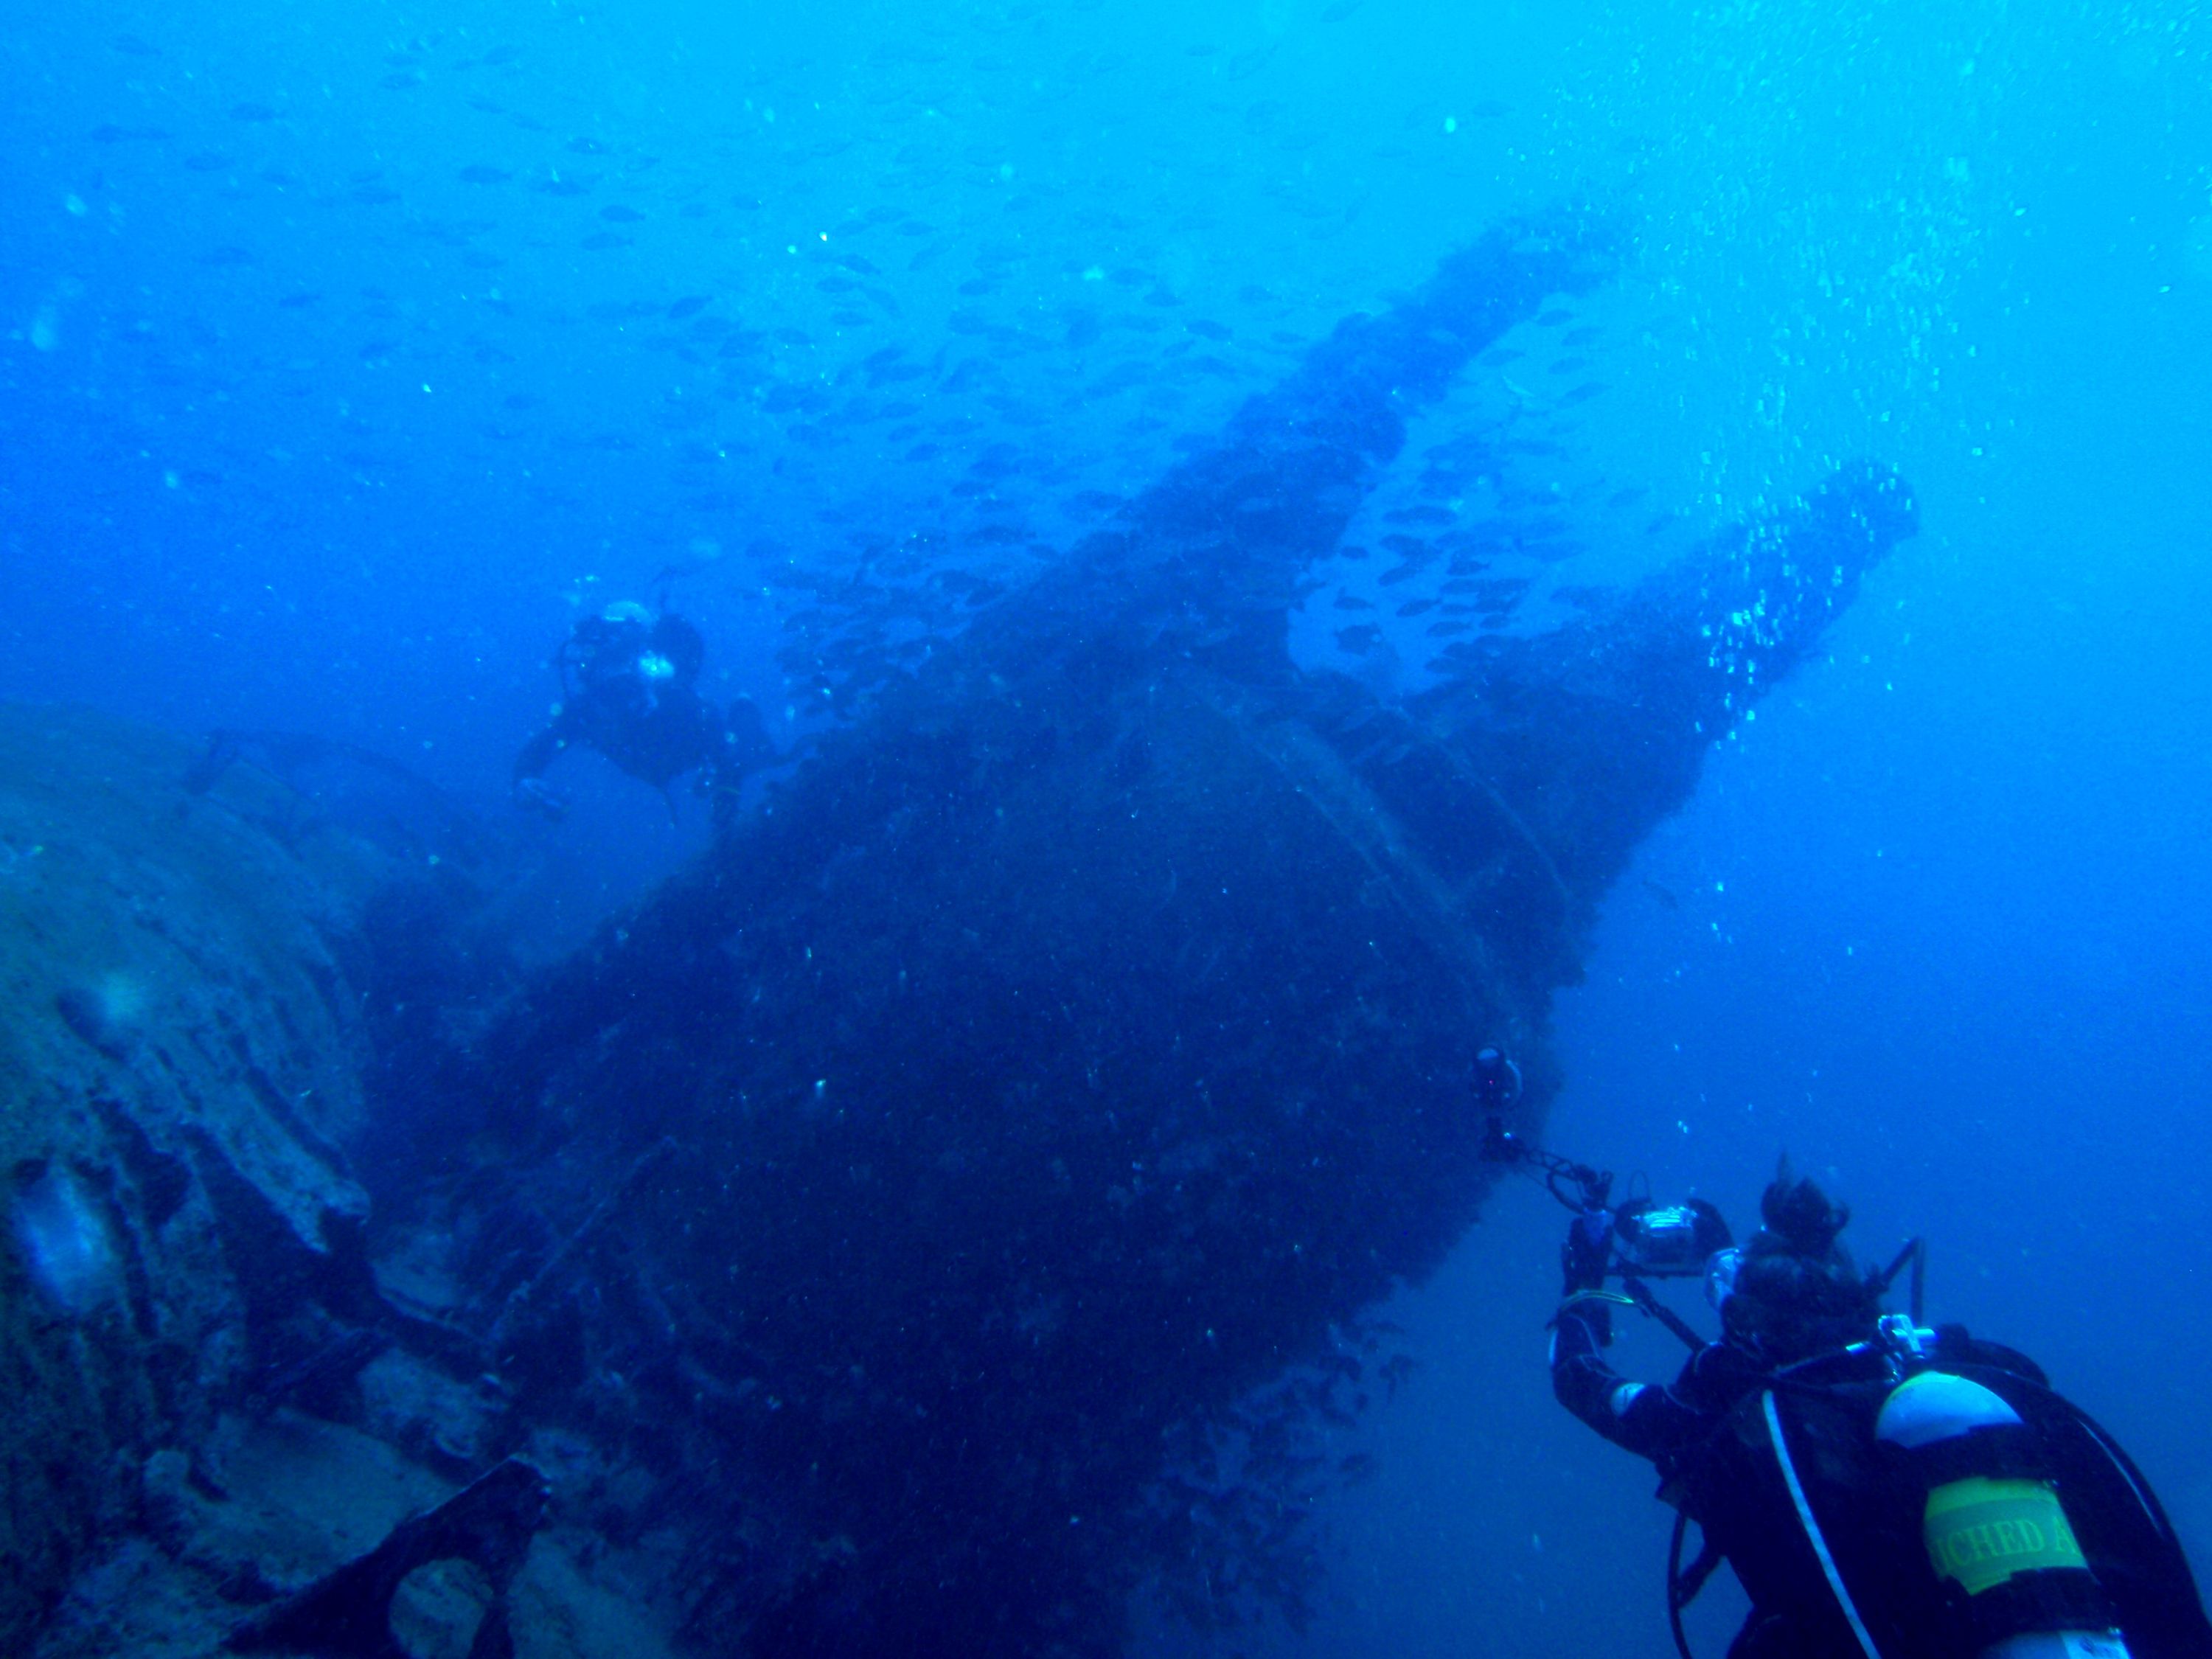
(1588, 1251)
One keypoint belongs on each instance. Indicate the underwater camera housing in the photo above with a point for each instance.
(1650, 1240)
(1667, 1241)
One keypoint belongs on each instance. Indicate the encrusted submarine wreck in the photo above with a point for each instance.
(931, 1223)
(1079, 1041)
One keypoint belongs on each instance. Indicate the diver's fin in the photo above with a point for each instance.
(347, 1613)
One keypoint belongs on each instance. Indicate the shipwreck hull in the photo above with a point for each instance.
(1073, 1109)
(1081, 1040)
(930, 1220)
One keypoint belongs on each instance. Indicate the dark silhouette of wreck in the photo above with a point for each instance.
(1078, 1043)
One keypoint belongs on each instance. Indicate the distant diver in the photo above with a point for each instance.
(629, 689)
(1881, 1490)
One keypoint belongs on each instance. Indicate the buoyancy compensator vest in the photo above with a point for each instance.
(1927, 1496)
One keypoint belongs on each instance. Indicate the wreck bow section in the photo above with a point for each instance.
(1522, 784)
(1082, 1036)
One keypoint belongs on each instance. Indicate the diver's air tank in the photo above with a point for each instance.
(1994, 1526)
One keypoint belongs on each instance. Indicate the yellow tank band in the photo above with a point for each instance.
(1581, 1297)
(1980, 1532)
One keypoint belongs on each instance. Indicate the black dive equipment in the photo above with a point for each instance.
(1991, 1452)
(1501, 1145)
(2018, 1493)
(1640, 1239)
(1996, 1532)
(1668, 1240)
(1648, 1239)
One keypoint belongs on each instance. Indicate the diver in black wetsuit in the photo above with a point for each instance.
(629, 689)
(1881, 1490)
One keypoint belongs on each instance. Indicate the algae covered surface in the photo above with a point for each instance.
(184, 1029)
(178, 1052)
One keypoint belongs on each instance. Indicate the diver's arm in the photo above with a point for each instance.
(1648, 1420)
(1581, 1379)
(527, 782)
(538, 753)
(566, 727)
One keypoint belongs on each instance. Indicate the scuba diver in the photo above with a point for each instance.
(629, 689)
(1882, 1490)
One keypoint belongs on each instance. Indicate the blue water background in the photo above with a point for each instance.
(1935, 922)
